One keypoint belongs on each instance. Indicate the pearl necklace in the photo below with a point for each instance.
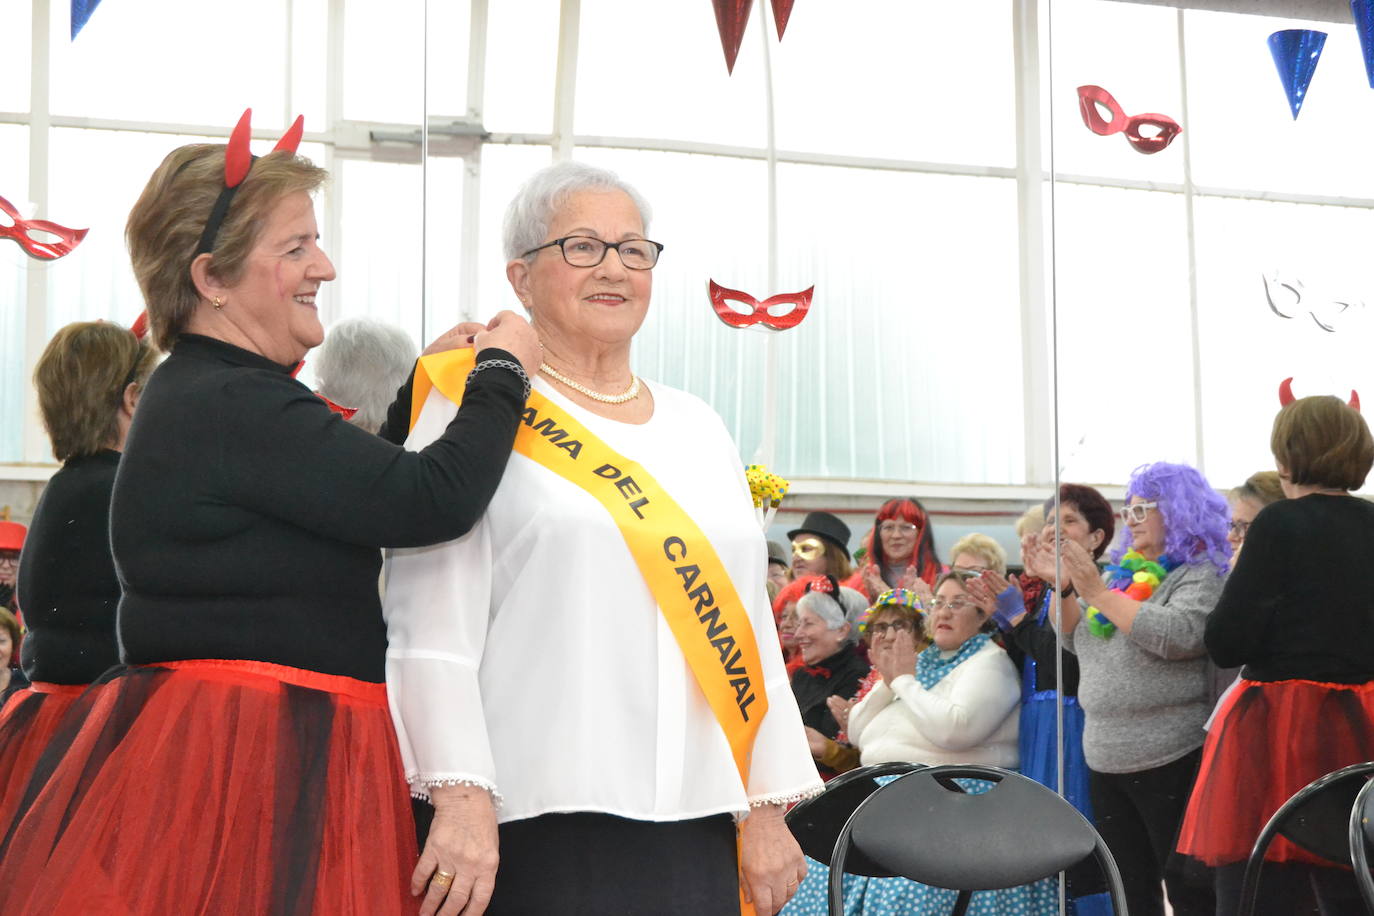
(628, 395)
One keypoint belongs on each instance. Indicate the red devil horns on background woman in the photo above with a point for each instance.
(238, 159)
(1286, 394)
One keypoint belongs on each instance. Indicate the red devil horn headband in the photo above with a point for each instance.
(1286, 394)
(238, 159)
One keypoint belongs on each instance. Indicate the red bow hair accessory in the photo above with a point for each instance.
(238, 159)
(1286, 394)
(826, 585)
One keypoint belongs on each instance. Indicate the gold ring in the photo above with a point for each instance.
(442, 878)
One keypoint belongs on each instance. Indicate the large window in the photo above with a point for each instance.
(900, 189)
(1168, 347)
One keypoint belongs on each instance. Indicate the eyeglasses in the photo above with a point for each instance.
(9, 559)
(1239, 529)
(896, 528)
(585, 251)
(807, 548)
(1135, 514)
(954, 604)
(895, 626)
(969, 572)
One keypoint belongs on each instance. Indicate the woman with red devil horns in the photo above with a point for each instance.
(242, 760)
(1299, 617)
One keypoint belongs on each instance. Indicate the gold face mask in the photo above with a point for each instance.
(808, 548)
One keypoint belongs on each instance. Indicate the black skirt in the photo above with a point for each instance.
(587, 864)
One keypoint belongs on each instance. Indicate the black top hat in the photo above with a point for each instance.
(826, 527)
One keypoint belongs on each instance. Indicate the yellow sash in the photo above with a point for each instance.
(681, 568)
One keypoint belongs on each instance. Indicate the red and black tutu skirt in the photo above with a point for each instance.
(215, 787)
(27, 722)
(1268, 740)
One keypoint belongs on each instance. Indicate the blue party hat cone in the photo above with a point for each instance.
(1296, 52)
(1363, 11)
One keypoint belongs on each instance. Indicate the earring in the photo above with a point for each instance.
(219, 303)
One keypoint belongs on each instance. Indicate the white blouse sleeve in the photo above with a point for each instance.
(782, 770)
(983, 692)
(437, 609)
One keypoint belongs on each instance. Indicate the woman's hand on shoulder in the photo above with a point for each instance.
(455, 338)
(771, 862)
(462, 845)
(513, 334)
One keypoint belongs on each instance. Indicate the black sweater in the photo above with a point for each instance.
(1298, 604)
(1034, 639)
(67, 585)
(247, 516)
(844, 672)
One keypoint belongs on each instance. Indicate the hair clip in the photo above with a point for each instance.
(1286, 394)
(759, 314)
(238, 159)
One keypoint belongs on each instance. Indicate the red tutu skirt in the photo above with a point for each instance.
(1268, 740)
(27, 722)
(216, 787)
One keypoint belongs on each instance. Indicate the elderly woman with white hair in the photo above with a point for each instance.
(609, 598)
(827, 632)
(360, 365)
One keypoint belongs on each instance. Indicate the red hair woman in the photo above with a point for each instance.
(902, 553)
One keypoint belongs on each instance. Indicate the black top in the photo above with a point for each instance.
(67, 584)
(247, 516)
(1033, 639)
(841, 675)
(1298, 604)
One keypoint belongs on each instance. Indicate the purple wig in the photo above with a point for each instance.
(1195, 515)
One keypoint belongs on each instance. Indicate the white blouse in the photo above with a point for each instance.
(529, 657)
(970, 716)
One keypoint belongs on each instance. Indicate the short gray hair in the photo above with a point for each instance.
(836, 612)
(529, 213)
(361, 364)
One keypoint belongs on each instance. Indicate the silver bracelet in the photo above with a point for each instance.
(502, 364)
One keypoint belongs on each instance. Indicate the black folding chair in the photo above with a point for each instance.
(816, 823)
(925, 827)
(1317, 817)
(1361, 835)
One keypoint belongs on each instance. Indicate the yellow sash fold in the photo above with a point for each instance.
(681, 568)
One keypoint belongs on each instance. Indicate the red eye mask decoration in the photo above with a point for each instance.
(757, 312)
(1089, 97)
(1286, 394)
(25, 233)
